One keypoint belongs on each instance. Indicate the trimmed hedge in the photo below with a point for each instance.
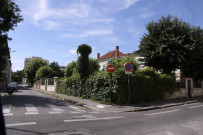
(146, 85)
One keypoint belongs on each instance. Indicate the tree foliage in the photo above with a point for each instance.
(93, 65)
(83, 60)
(32, 67)
(70, 69)
(45, 71)
(73, 67)
(192, 66)
(56, 69)
(9, 17)
(17, 76)
(165, 45)
(172, 44)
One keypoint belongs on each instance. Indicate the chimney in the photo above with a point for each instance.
(98, 55)
(117, 51)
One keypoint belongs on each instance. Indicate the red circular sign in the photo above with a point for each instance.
(128, 67)
(110, 68)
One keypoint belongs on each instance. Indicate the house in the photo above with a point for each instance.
(103, 60)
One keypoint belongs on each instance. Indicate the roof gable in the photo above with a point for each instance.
(112, 54)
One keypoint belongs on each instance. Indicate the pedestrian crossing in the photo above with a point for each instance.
(31, 109)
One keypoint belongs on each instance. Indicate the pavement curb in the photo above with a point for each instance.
(132, 110)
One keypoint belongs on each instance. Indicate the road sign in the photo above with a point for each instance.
(128, 67)
(110, 61)
(110, 68)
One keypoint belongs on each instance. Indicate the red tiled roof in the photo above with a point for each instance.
(112, 54)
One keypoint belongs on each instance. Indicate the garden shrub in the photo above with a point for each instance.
(146, 85)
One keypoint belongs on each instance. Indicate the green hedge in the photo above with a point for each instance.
(146, 85)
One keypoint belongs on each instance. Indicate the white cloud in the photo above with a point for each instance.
(90, 33)
(50, 25)
(72, 51)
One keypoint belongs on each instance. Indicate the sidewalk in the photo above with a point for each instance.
(117, 108)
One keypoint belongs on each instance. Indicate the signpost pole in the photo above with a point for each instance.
(111, 87)
(128, 88)
(128, 68)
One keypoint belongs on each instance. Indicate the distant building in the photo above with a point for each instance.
(27, 60)
(116, 54)
(103, 60)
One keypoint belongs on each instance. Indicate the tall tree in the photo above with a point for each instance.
(83, 60)
(45, 71)
(192, 66)
(166, 43)
(9, 18)
(56, 69)
(32, 67)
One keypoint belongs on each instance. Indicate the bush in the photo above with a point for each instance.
(146, 85)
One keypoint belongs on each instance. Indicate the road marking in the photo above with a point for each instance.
(54, 112)
(31, 108)
(7, 108)
(162, 112)
(8, 114)
(55, 108)
(195, 106)
(20, 124)
(74, 107)
(169, 133)
(75, 112)
(31, 113)
(85, 116)
(94, 119)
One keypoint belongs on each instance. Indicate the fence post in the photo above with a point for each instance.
(189, 86)
(46, 84)
(55, 84)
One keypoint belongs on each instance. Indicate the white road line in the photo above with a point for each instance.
(8, 114)
(195, 106)
(30, 108)
(94, 119)
(31, 113)
(20, 124)
(162, 112)
(55, 108)
(75, 112)
(7, 108)
(74, 107)
(54, 112)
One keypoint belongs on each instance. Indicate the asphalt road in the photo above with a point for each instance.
(28, 112)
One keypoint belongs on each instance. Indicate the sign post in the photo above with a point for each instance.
(128, 68)
(111, 68)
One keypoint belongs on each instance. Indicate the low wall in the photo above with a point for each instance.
(42, 87)
(50, 88)
(44, 84)
(183, 93)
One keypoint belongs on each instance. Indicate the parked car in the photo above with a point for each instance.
(12, 86)
(27, 85)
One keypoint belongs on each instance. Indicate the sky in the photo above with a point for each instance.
(53, 29)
